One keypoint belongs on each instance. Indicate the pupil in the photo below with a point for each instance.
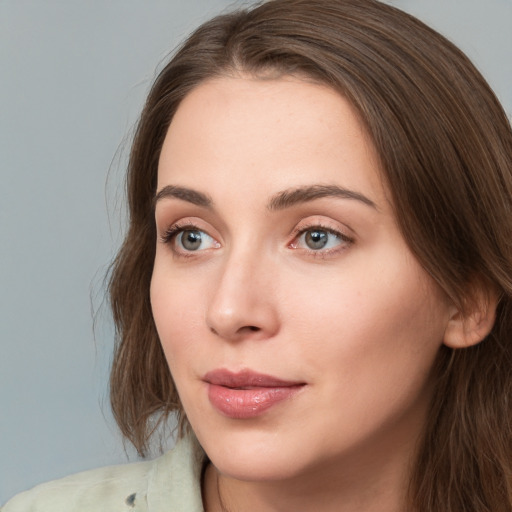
(316, 239)
(191, 240)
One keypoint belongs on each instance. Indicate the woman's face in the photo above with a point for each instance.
(299, 329)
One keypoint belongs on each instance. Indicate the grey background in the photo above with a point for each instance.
(73, 76)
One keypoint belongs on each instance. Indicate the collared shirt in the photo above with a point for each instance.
(170, 483)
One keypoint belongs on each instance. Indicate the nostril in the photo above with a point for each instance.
(251, 328)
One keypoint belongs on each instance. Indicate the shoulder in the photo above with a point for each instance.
(84, 491)
(150, 486)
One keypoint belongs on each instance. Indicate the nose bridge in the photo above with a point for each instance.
(242, 301)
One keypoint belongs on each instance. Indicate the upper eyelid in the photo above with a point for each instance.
(326, 224)
(182, 223)
(335, 232)
(319, 227)
(176, 228)
(166, 219)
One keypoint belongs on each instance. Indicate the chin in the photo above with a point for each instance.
(251, 467)
(253, 455)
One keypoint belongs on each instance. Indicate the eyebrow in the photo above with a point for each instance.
(280, 201)
(185, 194)
(288, 198)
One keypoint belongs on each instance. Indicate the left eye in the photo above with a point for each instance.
(193, 240)
(316, 239)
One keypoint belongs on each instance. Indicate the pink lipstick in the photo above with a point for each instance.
(247, 394)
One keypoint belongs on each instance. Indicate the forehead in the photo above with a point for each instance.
(263, 134)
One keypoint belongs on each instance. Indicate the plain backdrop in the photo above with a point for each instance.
(73, 76)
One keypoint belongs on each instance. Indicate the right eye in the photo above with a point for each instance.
(189, 239)
(194, 240)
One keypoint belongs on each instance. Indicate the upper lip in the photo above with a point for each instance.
(246, 378)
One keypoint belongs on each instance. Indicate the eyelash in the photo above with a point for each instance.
(173, 231)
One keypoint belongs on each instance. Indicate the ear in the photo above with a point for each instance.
(470, 326)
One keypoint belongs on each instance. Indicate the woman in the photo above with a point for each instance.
(316, 276)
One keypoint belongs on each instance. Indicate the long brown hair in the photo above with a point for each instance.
(445, 147)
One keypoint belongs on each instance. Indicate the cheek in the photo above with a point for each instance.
(177, 312)
(372, 328)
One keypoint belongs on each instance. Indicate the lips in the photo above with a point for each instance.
(247, 394)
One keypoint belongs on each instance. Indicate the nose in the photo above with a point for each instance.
(244, 302)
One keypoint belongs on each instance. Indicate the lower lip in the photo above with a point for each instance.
(248, 403)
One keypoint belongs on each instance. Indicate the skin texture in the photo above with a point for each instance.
(359, 322)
